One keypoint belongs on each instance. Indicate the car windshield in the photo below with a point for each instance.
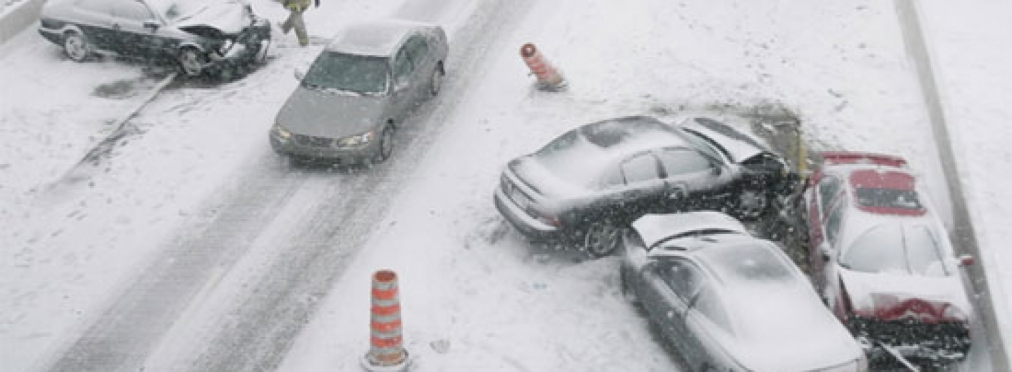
(348, 73)
(896, 249)
(888, 198)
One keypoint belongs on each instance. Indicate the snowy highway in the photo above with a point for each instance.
(190, 246)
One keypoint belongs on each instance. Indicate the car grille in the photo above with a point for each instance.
(313, 141)
(518, 197)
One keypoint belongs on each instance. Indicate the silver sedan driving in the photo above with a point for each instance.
(359, 90)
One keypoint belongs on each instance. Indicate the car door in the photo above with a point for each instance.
(95, 18)
(690, 178)
(131, 25)
(420, 53)
(641, 187)
(825, 192)
(830, 255)
(670, 287)
(402, 94)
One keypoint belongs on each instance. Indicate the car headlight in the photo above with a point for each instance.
(356, 140)
(225, 46)
(282, 133)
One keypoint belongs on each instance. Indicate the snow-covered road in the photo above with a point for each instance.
(193, 247)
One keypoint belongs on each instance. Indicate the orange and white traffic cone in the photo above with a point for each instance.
(548, 76)
(386, 351)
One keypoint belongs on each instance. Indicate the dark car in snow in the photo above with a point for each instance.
(359, 90)
(882, 260)
(728, 301)
(585, 185)
(199, 36)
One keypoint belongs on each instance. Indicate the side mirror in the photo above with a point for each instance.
(400, 86)
(299, 74)
(151, 25)
(825, 252)
(967, 260)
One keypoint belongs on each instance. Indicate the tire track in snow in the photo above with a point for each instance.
(263, 327)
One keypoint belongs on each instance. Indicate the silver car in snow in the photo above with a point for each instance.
(359, 89)
(586, 184)
(200, 36)
(728, 301)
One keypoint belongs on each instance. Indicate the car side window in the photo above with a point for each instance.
(402, 66)
(100, 6)
(678, 162)
(828, 188)
(709, 305)
(683, 278)
(834, 220)
(134, 11)
(417, 48)
(639, 168)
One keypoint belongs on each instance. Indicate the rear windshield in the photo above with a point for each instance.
(573, 158)
(348, 73)
(891, 248)
(888, 198)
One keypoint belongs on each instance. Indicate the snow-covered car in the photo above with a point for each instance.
(200, 36)
(881, 258)
(728, 301)
(585, 185)
(359, 89)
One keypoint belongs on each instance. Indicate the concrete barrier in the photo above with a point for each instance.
(25, 13)
(964, 236)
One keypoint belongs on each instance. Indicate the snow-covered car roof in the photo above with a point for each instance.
(597, 145)
(376, 37)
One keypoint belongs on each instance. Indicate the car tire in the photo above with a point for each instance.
(751, 203)
(191, 61)
(627, 291)
(601, 238)
(76, 46)
(386, 145)
(436, 82)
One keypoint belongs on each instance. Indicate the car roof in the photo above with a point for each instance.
(623, 136)
(379, 37)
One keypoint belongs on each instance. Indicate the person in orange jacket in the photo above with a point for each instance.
(295, 10)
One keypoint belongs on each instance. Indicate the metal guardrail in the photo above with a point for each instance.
(964, 235)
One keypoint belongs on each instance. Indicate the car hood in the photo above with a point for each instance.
(230, 17)
(789, 330)
(893, 297)
(330, 114)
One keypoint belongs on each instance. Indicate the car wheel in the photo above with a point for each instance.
(627, 290)
(601, 238)
(76, 46)
(386, 144)
(191, 61)
(437, 79)
(752, 203)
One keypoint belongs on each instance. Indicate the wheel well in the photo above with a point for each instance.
(71, 30)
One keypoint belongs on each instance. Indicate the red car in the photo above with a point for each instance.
(881, 259)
